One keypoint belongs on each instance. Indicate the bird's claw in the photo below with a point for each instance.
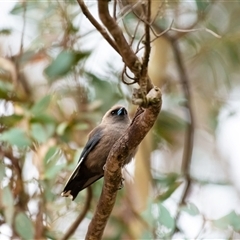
(121, 185)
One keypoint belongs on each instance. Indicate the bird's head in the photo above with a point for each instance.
(116, 115)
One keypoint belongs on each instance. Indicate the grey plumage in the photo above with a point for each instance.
(94, 155)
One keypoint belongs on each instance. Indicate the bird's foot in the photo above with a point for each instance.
(121, 185)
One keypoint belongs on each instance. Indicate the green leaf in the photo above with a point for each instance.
(64, 63)
(5, 31)
(61, 128)
(168, 125)
(50, 234)
(147, 213)
(2, 171)
(165, 217)
(163, 196)
(16, 136)
(167, 179)
(43, 118)
(8, 204)
(19, 7)
(6, 90)
(202, 4)
(101, 87)
(41, 133)
(50, 154)
(41, 106)
(191, 209)
(230, 220)
(52, 168)
(24, 226)
(10, 120)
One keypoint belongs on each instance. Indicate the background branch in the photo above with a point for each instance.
(81, 216)
(189, 134)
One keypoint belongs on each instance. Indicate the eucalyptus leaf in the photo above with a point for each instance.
(61, 128)
(52, 167)
(41, 106)
(5, 31)
(19, 7)
(171, 188)
(2, 171)
(101, 87)
(64, 63)
(165, 217)
(191, 209)
(8, 204)
(42, 133)
(5, 89)
(10, 120)
(24, 226)
(230, 220)
(50, 153)
(16, 136)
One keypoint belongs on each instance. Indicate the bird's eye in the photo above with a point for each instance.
(119, 112)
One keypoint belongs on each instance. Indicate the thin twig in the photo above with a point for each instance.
(135, 33)
(147, 41)
(138, 45)
(115, 10)
(188, 148)
(126, 9)
(23, 28)
(157, 36)
(81, 216)
(157, 13)
(189, 135)
(96, 24)
(196, 30)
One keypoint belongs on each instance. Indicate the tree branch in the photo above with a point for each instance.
(141, 124)
(189, 134)
(147, 42)
(81, 216)
(129, 57)
(96, 24)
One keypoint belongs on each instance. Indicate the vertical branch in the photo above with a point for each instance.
(147, 43)
(189, 135)
(147, 13)
(115, 10)
(81, 216)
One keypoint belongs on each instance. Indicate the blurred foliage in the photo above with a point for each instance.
(50, 100)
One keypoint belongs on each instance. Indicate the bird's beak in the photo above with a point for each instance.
(122, 111)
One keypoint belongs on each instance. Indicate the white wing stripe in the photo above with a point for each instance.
(74, 173)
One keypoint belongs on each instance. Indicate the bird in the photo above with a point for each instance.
(101, 139)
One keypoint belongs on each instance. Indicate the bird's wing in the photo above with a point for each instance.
(94, 138)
